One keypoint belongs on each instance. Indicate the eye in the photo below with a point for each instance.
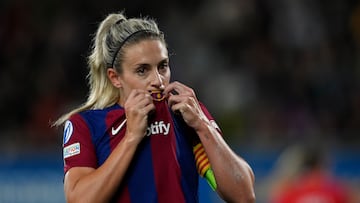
(141, 70)
(163, 67)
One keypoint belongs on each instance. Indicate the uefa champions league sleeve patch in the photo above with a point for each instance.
(68, 130)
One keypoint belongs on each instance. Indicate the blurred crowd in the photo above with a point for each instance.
(304, 174)
(272, 72)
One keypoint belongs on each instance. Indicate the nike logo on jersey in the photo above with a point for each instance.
(117, 130)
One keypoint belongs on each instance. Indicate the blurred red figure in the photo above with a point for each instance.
(313, 184)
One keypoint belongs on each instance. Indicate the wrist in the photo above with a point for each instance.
(202, 125)
(131, 139)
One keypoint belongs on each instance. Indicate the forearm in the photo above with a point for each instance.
(100, 184)
(234, 177)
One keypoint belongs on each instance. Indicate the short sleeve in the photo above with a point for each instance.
(78, 148)
(210, 117)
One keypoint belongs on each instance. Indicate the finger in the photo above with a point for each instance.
(175, 99)
(138, 95)
(144, 98)
(179, 107)
(138, 100)
(181, 104)
(174, 88)
(136, 92)
(149, 108)
(184, 98)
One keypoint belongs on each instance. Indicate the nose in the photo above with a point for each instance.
(157, 80)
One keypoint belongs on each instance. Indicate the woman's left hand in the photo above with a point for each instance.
(182, 99)
(234, 177)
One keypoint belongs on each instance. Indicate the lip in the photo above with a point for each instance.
(157, 95)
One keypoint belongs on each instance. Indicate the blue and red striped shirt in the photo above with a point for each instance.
(163, 168)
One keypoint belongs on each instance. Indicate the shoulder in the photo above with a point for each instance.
(94, 118)
(95, 115)
(91, 123)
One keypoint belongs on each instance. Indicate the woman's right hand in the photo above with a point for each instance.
(137, 108)
(87, 184)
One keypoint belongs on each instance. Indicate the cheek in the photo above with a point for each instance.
(142, 83)
(135, 83)
(166, 77)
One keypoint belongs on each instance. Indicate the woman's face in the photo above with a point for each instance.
(145, 66)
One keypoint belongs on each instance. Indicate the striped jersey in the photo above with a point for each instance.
(163, 168)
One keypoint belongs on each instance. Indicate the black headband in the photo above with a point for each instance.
(124, 41)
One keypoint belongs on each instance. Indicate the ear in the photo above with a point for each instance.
(114, 77)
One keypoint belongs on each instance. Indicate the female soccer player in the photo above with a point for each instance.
(139, 137)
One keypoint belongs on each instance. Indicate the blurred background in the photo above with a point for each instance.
(277, 75)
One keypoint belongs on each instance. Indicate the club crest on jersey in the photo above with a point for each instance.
(68, 130)
(157, 95)
(71, 150)
(158, 128)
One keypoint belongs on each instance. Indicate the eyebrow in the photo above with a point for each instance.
(165, 60)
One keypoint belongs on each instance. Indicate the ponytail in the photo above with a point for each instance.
(108, 46)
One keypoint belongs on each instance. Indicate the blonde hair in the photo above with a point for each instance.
(114, 33)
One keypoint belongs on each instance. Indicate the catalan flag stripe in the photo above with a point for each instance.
(203, 159)
(202, 162)
(197, 148)
(204, 166)
(200, 155)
